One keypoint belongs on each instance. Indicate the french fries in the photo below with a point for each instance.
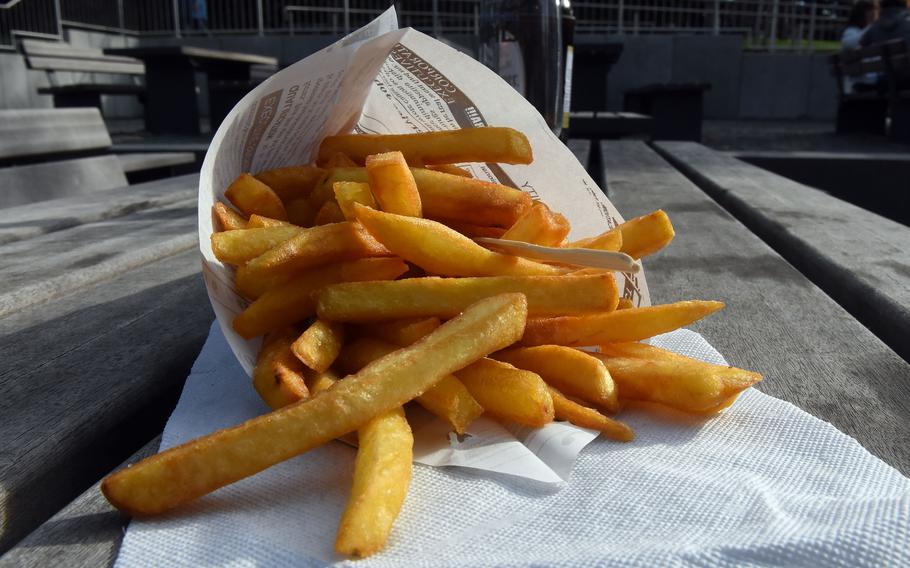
(447, 399)
(278, 377)
(252, 196)
(508, 393)
(609, 240)
(393, 185)
(468, 200)
(655, 375)
(242, 245)
(570, 411)
(447, 297)
(300, 212)
(632, 324)
(330, 212)
(186, 472)
(319, 345)
(228, 219)
(339, 160)
(401, 332)
(539, 226)
(294, 182)
(450, 169)
(490, 144)
(440, 250)
(570, 370)
(647, 234)
(349, 192)
(258, 222)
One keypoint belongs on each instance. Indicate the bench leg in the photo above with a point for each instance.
(69, 100)
(900, 121)
(862, 116)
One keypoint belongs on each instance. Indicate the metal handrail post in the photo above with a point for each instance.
(347, 17)
(176, 5)
(259, 17)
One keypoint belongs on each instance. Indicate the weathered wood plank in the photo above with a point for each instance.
(137, 162)
(859, 258)
(86, 379)
(33, 183)
(38, 269)
(24, 222)
(87, 532)
(811, 351)
(40, 132)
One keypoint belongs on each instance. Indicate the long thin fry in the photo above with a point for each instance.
(228, 219)
(508, 393)
(319, 345)
(186, 472)
(278, 377)
(585, 417)
(393, 184)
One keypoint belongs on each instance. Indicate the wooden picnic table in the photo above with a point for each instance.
(89, 375)
(171, 106)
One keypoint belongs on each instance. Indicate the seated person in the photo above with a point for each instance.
(894, 23)
(862, 15)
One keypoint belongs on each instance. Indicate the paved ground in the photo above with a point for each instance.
(783, 136)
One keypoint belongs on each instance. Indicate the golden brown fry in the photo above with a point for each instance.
(293, 301)
(624, 304)
(382, 474)
(469, 200)
(450, 169)
(186, 472)
(539, 226)
(393, 185)
(447, 399)
(508, 393)
(294, 182)
(329, 213)
(570, 370)
(441, 250)
(474, 231)
(310, 248)
(318, 382)
(227, 218)
(319, 345)
(259, 222)
(252, 196)
(570, 411)
(647, 373)
(339, 160)
(647, 234)
(490, 144)
(401, 332)
(633, 324)
(241, 245)
(278, 376)
(609, 240)
(447, 297)
(301, 213)
(349, 192)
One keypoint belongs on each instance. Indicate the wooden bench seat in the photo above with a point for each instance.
(41, 182)
(607, 125)
(810, 350)
(676, 108)
(858, 257)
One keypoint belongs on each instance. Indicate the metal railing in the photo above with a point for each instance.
(766, 24)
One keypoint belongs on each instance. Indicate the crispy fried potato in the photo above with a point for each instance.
(580, 415)
(242, 245)
(339, 160)
(570, 370)
(647, 234)
(382, 473)
(318, 382)
(349, 192)
(319, 345)
(310, 248)
(539, 226)
(293, 301)
(450, 169)
(259, 222)
(609, 240)
(490, 144)
(278, 376)
(227, 218)
(441, 250)
(632, 324)
(329, 213)
(447, 297)
(447, 399)
(252, 196)
(401, 332)
(186, 472)
(474, 231)
(650, 374)
(507, 393)
(624, 304)
(301, 213)
(393, 185)
(294, 182)
(469, 200)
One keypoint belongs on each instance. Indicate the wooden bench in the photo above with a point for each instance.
(859, 258)
(54, 57)
(867, 110)
(52, 153)
(812, 352)
(676, 108)
(601, 125)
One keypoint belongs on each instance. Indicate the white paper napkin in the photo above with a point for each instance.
(763, 484)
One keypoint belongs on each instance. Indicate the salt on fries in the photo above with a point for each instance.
(370, 291)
